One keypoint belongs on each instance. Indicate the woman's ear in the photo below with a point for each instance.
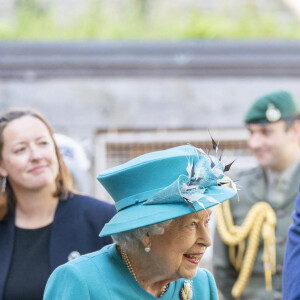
(146, 240)
(3, 171)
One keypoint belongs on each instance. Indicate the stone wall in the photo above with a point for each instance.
(80, 107)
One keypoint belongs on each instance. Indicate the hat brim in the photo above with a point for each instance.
(138, 216)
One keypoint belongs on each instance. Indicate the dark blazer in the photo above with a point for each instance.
(77, 223)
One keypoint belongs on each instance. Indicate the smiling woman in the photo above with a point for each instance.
(38, 208)
(29, 156)
(161, 231)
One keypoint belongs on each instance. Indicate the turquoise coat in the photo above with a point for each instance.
(102, 275)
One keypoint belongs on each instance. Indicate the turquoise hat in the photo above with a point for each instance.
(164, 185)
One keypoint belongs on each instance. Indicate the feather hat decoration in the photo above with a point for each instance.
(207, 172)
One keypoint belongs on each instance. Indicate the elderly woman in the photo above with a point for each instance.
(160, 231)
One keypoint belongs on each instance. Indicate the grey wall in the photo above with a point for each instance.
(79, 107)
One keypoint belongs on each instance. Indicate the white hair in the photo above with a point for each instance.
(131, 240)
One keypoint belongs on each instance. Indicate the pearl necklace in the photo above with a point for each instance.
(127, 263)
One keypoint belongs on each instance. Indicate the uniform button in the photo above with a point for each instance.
(73, 255)
(280, 240)
(277, 295)
(280, 213)
(278, 268)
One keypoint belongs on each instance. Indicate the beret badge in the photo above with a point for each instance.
(272, 113)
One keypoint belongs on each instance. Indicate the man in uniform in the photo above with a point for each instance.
(272, 122)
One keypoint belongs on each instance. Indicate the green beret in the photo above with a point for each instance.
(271, 108)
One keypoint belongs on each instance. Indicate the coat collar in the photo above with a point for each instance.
(62, 243)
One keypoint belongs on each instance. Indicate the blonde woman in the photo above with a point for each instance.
(43, 224)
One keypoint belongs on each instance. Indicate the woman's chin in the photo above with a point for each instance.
(189, 274)
(192, 275)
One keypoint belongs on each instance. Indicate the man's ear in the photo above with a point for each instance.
(296, 128)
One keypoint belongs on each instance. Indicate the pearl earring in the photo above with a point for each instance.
(147, 249)
(3, 187)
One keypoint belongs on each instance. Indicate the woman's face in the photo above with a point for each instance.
(177, 252)
(28, 156)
